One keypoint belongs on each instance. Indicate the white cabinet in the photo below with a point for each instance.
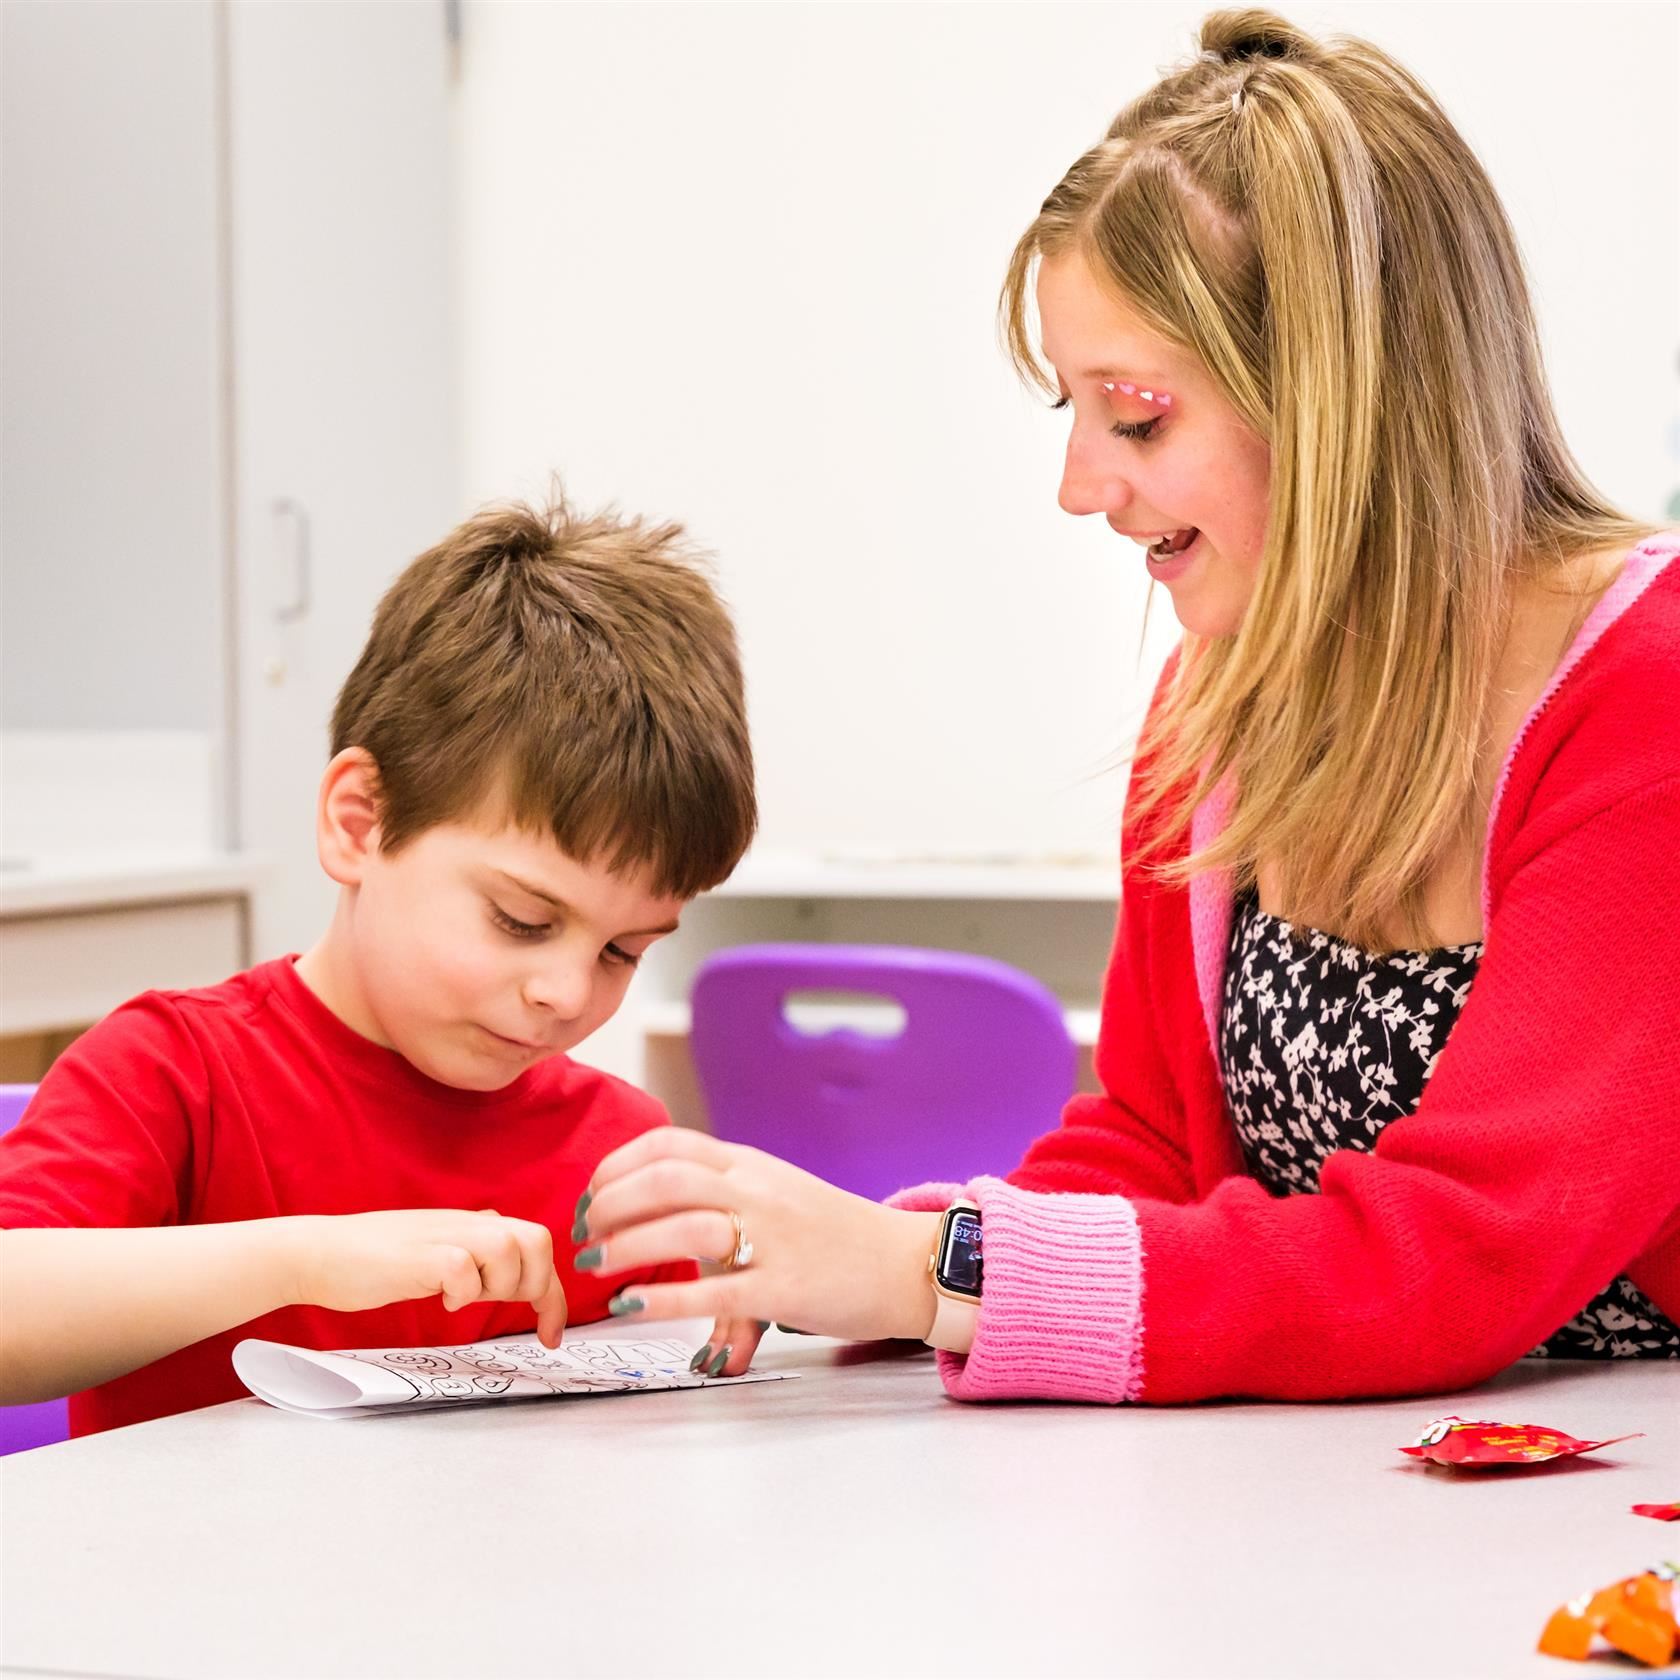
(228, 419)
(344, 414)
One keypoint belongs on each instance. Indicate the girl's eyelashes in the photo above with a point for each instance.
(1138, 431)
(619, 957)
(1133, 431)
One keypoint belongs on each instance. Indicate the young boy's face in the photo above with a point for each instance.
(478, 948)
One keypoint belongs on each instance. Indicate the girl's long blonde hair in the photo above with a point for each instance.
(1302, 216)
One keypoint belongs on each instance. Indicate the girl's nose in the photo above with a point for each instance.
(1089, 483)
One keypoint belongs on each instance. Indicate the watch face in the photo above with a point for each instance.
(959, 1267)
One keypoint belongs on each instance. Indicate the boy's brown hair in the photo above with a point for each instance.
(580, 670)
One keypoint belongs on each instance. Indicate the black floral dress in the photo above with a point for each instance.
(1322, 1044)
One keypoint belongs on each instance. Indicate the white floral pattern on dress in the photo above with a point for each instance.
(1322, 1044)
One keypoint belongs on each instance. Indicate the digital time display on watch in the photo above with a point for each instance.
(959, 1268)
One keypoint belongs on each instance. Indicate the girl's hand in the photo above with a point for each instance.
(828, 1261)
(353, 1261)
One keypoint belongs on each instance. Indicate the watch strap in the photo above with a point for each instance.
(954, 1319)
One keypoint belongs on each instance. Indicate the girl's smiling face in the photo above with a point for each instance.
(1155, 448)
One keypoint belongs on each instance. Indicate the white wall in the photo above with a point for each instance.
(110, 404)
(738, 264)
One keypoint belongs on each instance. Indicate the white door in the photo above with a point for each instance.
(345, 412)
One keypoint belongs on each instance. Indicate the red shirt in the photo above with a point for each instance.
(251, 1100)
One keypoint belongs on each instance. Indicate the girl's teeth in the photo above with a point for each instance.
(1174, 542)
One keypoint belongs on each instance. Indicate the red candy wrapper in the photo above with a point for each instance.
(1453, 1440)
(1635, 1617)
(1663, 1513)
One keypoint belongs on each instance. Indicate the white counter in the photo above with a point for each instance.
(82, 932)
(106, 880)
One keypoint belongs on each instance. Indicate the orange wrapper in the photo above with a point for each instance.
(1635, 1617)
(1663, 1513)
(1457, 1441)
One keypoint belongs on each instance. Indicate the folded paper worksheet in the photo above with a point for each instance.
(355, 1382)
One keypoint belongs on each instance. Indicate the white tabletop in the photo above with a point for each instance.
(853, 1522)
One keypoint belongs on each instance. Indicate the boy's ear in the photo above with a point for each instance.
(347, 815)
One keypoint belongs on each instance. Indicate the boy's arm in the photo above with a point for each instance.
(104, 1152)
(79, 1307)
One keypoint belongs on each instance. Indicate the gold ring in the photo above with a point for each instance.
(742, 1253)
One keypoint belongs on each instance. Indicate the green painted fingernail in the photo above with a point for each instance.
(702, 1354)
(619, 1305)
(580, 1218)
(763, 1325)
(588, 1259)
(715, 1369)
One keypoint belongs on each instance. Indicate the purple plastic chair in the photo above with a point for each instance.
(982, 1065)
(47, 1420)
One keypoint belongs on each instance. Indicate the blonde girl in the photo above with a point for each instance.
(1390, 1088)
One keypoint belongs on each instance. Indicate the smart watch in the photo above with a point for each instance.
(956, 1271)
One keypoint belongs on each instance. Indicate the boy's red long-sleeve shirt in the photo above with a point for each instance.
(252, 1100)
(1131, 1257)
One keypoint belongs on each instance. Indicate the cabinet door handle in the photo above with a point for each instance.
(291, 543)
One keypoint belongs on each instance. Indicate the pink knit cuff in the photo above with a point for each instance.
(927, 1198)
(1061, 1317)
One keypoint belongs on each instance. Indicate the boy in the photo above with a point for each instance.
(540, 757)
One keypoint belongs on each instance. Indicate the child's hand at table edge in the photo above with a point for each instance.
(831, 1262)
(350, 1262)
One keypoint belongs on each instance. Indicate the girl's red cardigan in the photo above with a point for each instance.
(1130, 1256)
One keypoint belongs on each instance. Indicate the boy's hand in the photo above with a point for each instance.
(350, 1262)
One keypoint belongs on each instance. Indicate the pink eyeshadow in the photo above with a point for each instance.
(1126, 388)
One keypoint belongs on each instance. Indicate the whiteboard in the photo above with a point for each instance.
(737, 264)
